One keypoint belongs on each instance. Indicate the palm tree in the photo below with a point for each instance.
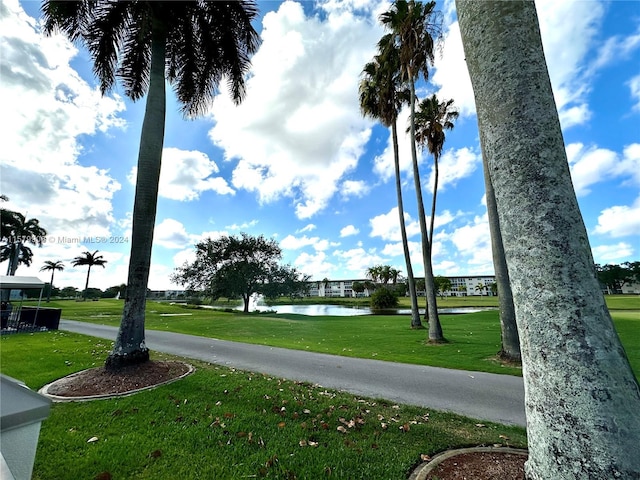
(89, 259)
(193, 45)
(432, 119)
(510, 346)
(381, 97)
(16, 231)
(53, 266)
(582, 398)
(412, 27)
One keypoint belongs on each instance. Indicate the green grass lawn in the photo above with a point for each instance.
(474, 338)
(227, 424)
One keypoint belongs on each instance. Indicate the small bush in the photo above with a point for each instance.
(384, 298)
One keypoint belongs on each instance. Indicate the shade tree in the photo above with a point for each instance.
(240, 266)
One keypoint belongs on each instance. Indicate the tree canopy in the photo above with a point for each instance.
(240, 266)
(614, 277)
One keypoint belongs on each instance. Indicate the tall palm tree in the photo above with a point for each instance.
(510, 345)
(193, 45)
(432, 118)
(381, 97)
(412, 26)
(582, 398)
(89, 259)
(16, 231)
(53, 266)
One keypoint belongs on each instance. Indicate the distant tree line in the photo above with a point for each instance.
(614, 277)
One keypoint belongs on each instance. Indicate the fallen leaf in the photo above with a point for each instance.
(504, 437)
(342, 429)
(405, 428)
(156, 454)
(92, 440)
(302, 443)
(306, 411)
(313, 444)
(384, 425)
(281, 424)
(103, 476)
(480, 425)
(425, 458)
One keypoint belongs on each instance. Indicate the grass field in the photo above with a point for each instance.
(474, 338)
(229, 424)
(222, 423)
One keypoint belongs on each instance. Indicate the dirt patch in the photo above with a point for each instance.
(474, 463)
(480, 466)
(102, 382)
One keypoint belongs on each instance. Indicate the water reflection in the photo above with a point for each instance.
(342, 311)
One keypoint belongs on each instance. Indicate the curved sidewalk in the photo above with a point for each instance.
(485, 396)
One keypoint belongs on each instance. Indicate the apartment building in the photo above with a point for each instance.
(460, 287)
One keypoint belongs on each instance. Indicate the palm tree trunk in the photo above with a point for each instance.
(15, 259)
(509, 329)
(433, 201)
(415, 312)
(86, 283)
(431, 313)
(130, 347)
(581, 397)
(50, 285)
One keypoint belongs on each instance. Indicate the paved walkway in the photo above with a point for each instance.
(485, 396)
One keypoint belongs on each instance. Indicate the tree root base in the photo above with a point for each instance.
(116, 362)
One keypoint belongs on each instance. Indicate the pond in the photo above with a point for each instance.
(342, 311)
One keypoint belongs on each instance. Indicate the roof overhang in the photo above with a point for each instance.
(20, 283)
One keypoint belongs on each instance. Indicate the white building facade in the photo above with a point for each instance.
(479, 285)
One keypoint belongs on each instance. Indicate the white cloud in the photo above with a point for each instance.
(569, 32)
(186, 174)
(634, 89)
(171, 234)
(589, 166)
(355, 261)
(629, 165)
(296, 243)
(454, 165)
(604, 254)
(592, 165)
(307, 228)
(299, 130)
(451, 74)
(242, 226)
(348, 231)
(473, 242)
(619, 220)
(387, 226)
(616, 48)
(315, 265)
(354, 188)
(48, 107)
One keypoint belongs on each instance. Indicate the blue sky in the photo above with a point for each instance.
(296, 161)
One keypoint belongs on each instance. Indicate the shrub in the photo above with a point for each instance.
(384, 298)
